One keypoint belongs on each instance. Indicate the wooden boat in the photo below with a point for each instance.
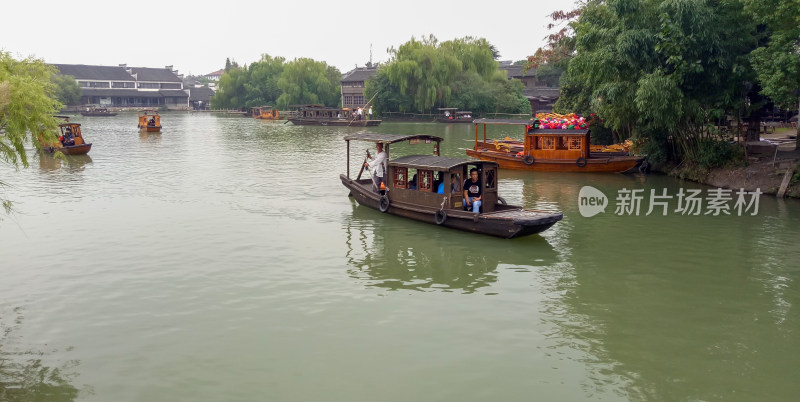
(317, 115)
(99, 111)
(447, 208)
(149, 121)
(547, 150)
(70, 140)
(264, 113)
(453, 115)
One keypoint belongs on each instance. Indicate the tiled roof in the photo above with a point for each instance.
(155, 74)
(201, 94)
(173, 92)
(218, 72)
(84, 72)
(359, 74)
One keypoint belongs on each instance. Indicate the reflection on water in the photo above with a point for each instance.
(395, 253)
(73, 163)
(228, 240)
(25, 374)
(145, 136)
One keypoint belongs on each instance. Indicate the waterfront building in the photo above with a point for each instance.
(353, 85)
(124, 86)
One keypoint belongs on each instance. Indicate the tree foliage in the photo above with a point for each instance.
(262, 85)
(777, 62)
(425, 74)
(272, 81)
(27, 105)
(659, 68)
(232, 89)
(306, 81)
(67, 90)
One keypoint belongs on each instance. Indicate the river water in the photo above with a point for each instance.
(223, 261)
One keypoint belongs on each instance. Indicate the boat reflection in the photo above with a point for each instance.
(396, 254)
(150, 136)
(24, 374)
(74, 163)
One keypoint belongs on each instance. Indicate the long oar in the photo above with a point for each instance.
(362, 165)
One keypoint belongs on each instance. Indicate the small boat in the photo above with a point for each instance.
(547, 150)
(99, 111)
(412, 190)
(453, 115)
(318, 115)
(264, 113)
(70, 140)
(149, 121)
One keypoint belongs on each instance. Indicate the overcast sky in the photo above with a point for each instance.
(195, 37)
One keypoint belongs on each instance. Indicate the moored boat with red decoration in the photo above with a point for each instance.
(548, 145)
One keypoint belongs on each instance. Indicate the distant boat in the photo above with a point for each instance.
(318, 115)
(70, 140)
(549, 150)
(149, 121)
(265, 113)
(99, 111)
(453, 115)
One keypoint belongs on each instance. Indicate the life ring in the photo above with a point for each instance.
(528, 159)
(440, 217)
(383, 204)
(502, 201)
(581, 162)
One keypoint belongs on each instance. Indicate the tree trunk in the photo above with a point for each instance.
(797, 140)
(754, 120)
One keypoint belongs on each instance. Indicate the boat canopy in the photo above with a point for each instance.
(433, 162)
(147, 112)
(390, 138)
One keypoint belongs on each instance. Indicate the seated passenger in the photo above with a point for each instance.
(68, 139)
(438, 184)
(412, 185)
(472, 191)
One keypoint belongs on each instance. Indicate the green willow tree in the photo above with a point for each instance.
(655, 69)
(27, 104)
(307, 81)
(67, 90)
(262, 85)
(425, 74)
(232, 89)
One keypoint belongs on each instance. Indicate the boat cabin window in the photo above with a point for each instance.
(545, 142)
(400, 177)
(413, 181)
(491, 177)
(455, 182)
(425, 180)
(561, 143)
(575, 143)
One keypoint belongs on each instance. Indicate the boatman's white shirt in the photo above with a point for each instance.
(377, 164)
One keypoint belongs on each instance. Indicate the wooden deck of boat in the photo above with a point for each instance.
(515, 214)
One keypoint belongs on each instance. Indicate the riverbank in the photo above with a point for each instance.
(768, 162)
